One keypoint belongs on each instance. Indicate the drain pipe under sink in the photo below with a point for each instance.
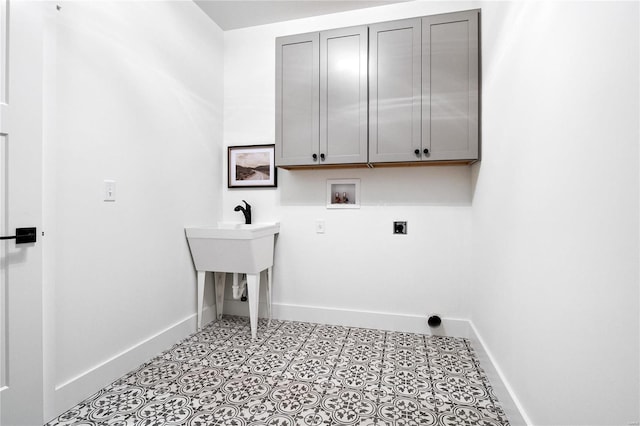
(238, 289)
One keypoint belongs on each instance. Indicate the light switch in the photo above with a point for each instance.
(109, 190)
(319, 226)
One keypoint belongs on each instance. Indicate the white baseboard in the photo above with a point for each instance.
(370, 319)
(365, 319)
(501, 388)
(75, 390)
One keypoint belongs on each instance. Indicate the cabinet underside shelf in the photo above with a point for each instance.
(381, 165)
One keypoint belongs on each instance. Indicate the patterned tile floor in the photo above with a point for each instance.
(299, 374)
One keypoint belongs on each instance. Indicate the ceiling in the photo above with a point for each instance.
(234, 14)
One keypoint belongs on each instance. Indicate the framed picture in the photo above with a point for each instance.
(252, 166)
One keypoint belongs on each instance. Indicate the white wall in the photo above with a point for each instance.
(537, 245)
(357, 264)
(138, 99)
(555, 208)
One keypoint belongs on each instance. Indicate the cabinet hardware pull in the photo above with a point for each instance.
(417, 152)
(426, 151)
(315, 157)
(322, 157)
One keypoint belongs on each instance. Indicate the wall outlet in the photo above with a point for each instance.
(400, 227)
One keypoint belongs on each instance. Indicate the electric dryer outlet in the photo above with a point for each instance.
(400, 227)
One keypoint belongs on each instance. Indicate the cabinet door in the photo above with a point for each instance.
(343, 96)
(394, 91)
(297, 99)
(450, 86)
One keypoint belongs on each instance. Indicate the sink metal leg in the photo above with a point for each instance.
(220, 280)
(201, 277)
(253, 290)
(269, 286)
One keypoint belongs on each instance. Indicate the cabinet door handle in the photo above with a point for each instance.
(426, 151)
(322, 157)
(417, 152)
(315, 157)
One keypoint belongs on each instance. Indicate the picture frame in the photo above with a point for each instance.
(251, 166)
(343, 193)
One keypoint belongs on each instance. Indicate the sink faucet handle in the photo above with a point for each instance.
(246, 211)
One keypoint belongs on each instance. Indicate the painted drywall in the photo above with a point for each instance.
(545, 250)
(357, 264)
(138, 99)
(555, 208)
(521, 227)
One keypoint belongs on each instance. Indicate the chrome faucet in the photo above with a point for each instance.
(246, 211)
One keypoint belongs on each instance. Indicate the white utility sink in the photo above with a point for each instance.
(234, 231)
(235, 248)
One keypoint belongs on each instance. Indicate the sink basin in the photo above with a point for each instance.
(234, 231)
(233, 247)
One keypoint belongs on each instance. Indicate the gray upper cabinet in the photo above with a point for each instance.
(297, 99)
(343, 96)
(423, 89)
(404, 91)
(394, 91)
(450, 86)
(321, 98)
